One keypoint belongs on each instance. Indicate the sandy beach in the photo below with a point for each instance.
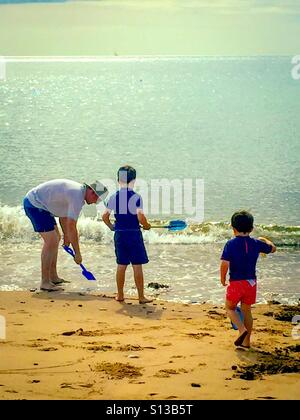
(65, 345)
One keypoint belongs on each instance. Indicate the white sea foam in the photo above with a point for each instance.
(16, 227)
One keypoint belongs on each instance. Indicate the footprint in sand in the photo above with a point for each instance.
(130, 347)
(99, 348)
(199, 335)
(34, 345)
(86, 385)
(49, 349)
(94, 333)
(166, 373)
(66, 385)
(133, 381)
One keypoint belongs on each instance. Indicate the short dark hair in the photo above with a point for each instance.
(126, 174)
(242, 221)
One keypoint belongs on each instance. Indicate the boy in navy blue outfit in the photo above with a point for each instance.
(127, 206)
(240, 255)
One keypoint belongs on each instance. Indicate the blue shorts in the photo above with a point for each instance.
(42, 220)
(130, 248)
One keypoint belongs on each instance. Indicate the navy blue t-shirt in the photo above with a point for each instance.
(125, 204)
(242, 253)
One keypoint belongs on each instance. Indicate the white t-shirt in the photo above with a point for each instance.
(61, 197)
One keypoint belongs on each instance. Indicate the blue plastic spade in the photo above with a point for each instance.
(240, 314)
(174, 225)
(87, 274)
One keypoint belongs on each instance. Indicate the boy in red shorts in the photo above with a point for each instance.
(240, 255)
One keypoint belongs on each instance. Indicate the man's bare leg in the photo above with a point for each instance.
(47, 256)
(120, 278)
(139, 282)
(53, 267)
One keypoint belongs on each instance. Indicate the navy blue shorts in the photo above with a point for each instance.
(130, 248)
(42, 220)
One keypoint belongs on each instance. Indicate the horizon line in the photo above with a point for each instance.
(95, 58)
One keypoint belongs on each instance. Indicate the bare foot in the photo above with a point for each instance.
(244, 347)
(246, 342)
(241, 338)
(58, 280)
(51, 289)
(119, 299)
(145, 300)
(47, 286)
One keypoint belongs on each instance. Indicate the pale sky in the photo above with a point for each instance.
(155, 27)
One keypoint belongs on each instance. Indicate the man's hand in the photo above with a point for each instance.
(147, 226)
(223, 281)
(78, 258)
(66, 242)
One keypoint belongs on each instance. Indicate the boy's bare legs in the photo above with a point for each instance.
(48, 254)
(139, 282)
(248, 322)
(235, 319)
(120, 278)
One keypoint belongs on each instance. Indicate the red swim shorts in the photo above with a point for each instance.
(243, 291)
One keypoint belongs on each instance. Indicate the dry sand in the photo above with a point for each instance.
(74, 346)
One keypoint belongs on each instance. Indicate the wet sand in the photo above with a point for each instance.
(74, 346)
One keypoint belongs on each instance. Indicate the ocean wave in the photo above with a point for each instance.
(16, 227)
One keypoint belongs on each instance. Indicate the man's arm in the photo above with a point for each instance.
(69, 227)
(106, 219)
(223, 271)
(143, 219)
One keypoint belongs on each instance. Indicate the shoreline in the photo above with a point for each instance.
(77, 346)
(190, 273)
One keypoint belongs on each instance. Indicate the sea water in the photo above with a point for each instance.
(233, 122)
